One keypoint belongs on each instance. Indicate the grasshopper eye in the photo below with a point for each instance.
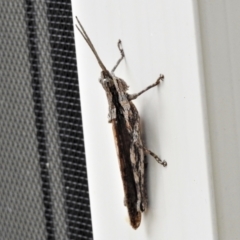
(105, 80)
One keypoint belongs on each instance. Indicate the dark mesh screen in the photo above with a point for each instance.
(43, 177)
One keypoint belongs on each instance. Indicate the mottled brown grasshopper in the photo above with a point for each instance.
(126, 130)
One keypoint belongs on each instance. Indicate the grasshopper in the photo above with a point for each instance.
(125, 121)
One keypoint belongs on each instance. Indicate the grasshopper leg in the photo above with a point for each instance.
(162, 162)
(134, 96)
(122, 55)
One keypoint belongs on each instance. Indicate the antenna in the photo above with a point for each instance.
(87, 39)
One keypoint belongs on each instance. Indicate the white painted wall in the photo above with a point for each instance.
(191, 120)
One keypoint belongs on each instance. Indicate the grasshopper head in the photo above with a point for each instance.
(110, 80)
(106, 80)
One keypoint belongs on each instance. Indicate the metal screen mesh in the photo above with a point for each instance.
(43, 178)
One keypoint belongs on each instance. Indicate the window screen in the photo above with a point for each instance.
(43, 176)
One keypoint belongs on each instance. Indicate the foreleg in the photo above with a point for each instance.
(122, 55)
(134, 96)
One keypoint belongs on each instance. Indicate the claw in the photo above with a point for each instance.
(120, 47)
(161, 77)
(164, 163)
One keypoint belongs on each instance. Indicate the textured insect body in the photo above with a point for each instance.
(125, 121)
(126, 129)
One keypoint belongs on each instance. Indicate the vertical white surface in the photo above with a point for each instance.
(220, 31)
(158, 37)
